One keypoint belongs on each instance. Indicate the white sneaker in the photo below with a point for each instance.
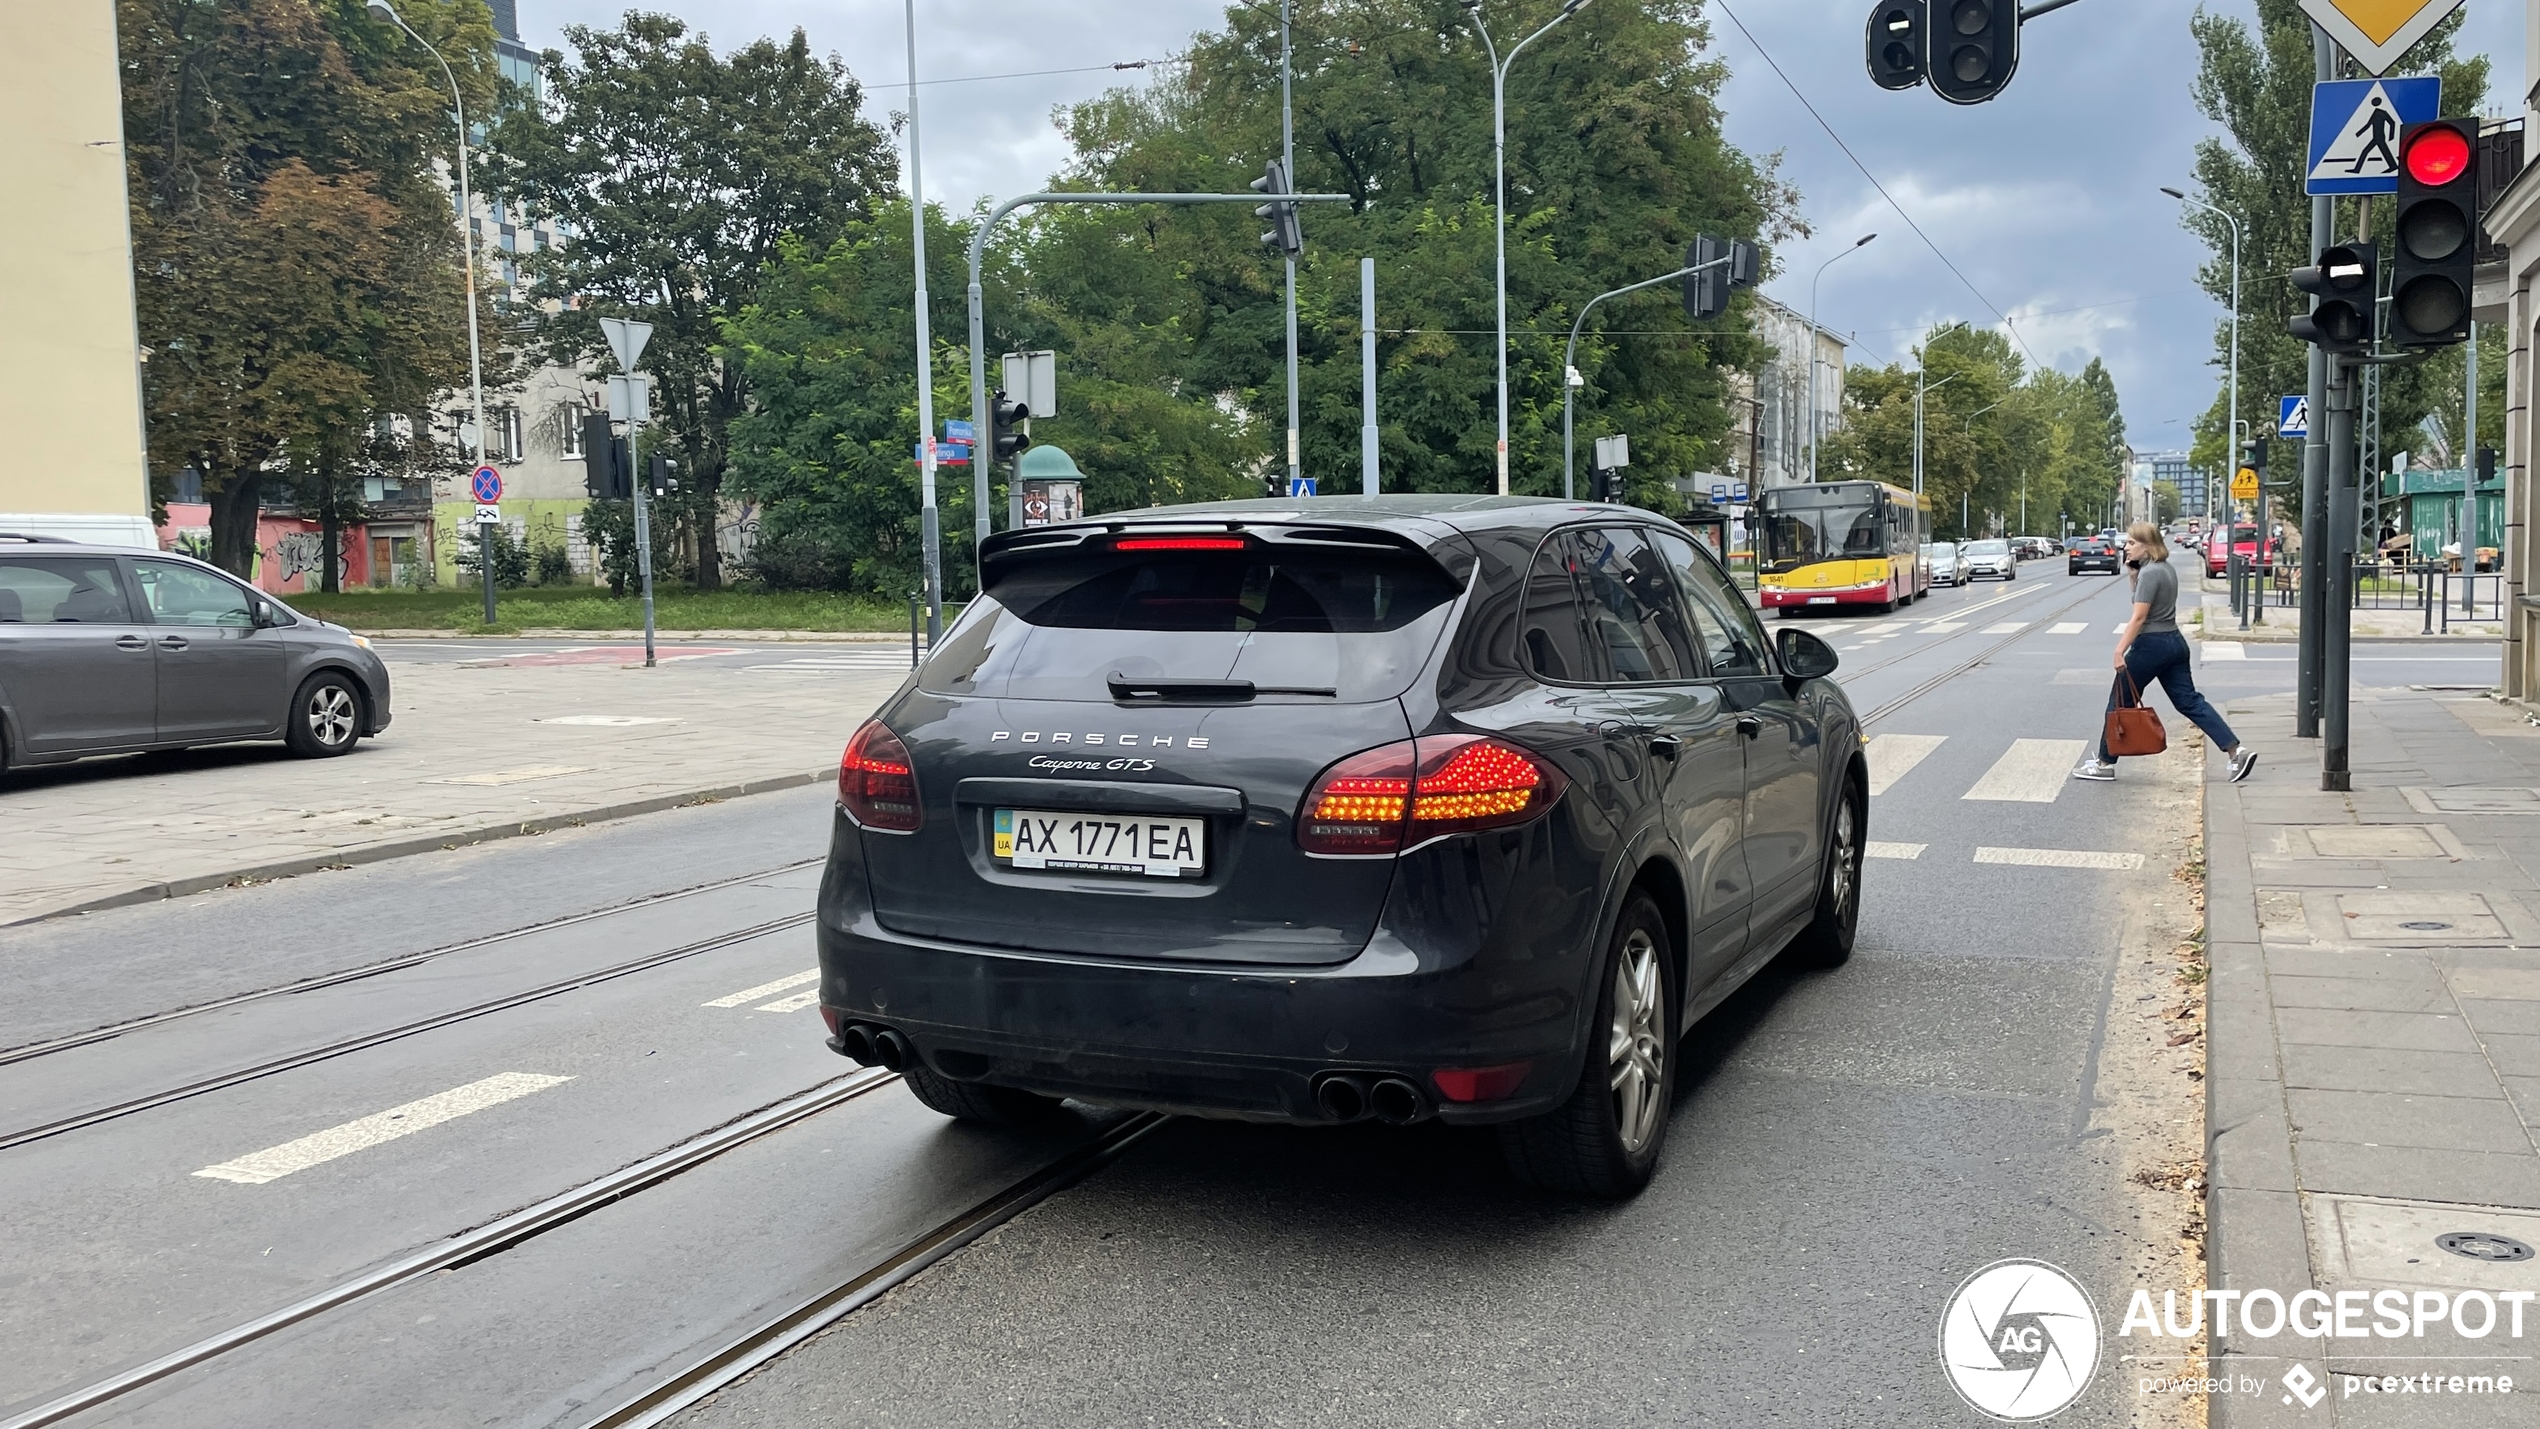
(2093, 769)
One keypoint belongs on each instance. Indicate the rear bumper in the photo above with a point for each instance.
(1226, 1040)
(1864, 595)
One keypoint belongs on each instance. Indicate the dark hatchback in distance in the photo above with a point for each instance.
(105, 651)
(2090, 553)
(1310, 811)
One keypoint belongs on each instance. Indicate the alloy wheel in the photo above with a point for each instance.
(1636, 1047)
(331, 714)
(1846, 869)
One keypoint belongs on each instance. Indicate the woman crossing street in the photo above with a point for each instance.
(2151, 648)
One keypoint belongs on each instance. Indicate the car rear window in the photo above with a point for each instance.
(1349, 624)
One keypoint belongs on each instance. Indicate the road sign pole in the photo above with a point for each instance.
(2337, 601)
(2306, 680)
(643, 528)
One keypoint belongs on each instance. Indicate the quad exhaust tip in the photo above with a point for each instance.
(1396, 1102)
(893, 1051)
(1348, 1096)
(1342, 1096)
(855, 1041)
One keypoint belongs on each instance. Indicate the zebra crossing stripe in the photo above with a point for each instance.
(2059, 858)
(2069, 627)
(1893, 756)
(2031, 771)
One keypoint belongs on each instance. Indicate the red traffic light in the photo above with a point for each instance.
(2436, 155)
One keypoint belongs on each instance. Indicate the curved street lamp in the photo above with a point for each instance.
(1499, 192)
(2232, 457)
(1814, 435)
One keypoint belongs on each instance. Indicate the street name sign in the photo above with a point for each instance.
(486, 485)
(2293, 418)
(2378, 32)
(2355, 126)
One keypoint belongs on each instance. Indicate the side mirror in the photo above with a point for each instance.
(1804, 656)
(266, 616)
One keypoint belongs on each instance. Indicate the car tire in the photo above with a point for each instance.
(325, 718)
(976, 1101)
(1827, 940)
(1605, 1140)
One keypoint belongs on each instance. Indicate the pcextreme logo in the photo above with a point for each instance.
(2019, 1340)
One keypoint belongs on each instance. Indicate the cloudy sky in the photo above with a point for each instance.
(2046, 200)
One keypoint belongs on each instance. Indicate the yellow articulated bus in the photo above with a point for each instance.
(1840, 543)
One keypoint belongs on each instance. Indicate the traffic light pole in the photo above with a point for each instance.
(1570, 361)
(2306, 680)
(979, 423)
(2337, 599)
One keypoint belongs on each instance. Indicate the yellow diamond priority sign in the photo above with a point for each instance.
(2378, 32)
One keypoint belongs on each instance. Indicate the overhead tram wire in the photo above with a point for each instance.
(1935, 248)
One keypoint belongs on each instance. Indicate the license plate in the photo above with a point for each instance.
(1821, 600)
(1143, 844)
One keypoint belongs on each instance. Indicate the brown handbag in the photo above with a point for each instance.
(2133, 729)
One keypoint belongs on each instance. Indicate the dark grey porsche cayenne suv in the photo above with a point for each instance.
(1313, 811)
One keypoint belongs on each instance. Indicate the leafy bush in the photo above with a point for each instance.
(511, 558)
(555, 565)
(801, 559)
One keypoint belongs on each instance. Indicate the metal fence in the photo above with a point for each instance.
(2442, 594)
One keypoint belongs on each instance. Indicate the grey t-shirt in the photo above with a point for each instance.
(2156, 585)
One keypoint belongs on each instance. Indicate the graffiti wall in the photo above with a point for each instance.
(289, 551)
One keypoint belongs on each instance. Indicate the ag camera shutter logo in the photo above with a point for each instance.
(2019, 1340)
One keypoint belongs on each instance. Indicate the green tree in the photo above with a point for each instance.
(2256, 84)
(681, 173)
(296, 269)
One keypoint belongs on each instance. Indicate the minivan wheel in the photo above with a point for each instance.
(325, 718)
(1604, 1141)
(975, 1101)
(1827, 940)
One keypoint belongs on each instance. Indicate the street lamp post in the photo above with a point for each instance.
(381, 10)
(931, 523)
(1570, 379)
(1499, 193)
(1967, 429)
(1919, 390)
(2233, 424)
(1813, 433)
(1287, 166)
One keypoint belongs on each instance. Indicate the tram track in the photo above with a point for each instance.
(1895, 703)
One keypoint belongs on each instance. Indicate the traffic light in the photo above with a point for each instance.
(1009, 427)
(2437, 233)
(1274, 484)
(1895, 43)
(2343, 281)
(605, 473)
(1975, 50)
(665, 478)
(1284, 234)
(1707, 292)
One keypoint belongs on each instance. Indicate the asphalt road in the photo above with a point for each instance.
(1847, 1146)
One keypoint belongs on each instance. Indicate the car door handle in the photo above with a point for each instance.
(131, 642)
(1666, 746)
(172, 642)
(1750, 726)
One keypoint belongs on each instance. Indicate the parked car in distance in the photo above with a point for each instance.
(2090, 553)
(1946, 569)
(1316, 811)
(1991, 558)
(108, 650)
(2224, 542)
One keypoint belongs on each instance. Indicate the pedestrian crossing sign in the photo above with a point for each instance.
(2355, 126)
(2293, 419)
(2378, 32)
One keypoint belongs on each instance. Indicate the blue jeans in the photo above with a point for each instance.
(2164, 657)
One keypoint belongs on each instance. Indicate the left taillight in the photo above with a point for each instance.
(877, 782)
(1384, 800)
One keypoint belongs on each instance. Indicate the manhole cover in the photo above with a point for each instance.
(2423, 925)
(2479, 1245)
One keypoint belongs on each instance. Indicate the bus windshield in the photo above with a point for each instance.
(1801, 527)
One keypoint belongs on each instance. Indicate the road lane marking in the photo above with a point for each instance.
(2007, 627)
(2058, 858)
(1944, 627)
(2069, 627)
(1893, 756)
(2031, 771)
(2116, 629)
(796, 1003)
(316, 1149)
(1875, 849)
(2226, 650)
(765, 989)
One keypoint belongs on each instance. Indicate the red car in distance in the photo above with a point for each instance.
(2224, 542)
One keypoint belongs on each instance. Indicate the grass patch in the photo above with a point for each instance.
(593, 608)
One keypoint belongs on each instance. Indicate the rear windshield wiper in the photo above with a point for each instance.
(1210, 692)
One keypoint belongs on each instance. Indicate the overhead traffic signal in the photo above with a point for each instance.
(606, 473)
(665, 478)
(1895, 42)
(2344, 282)
(1284, 234)
(2437, 233)
(1973, 50)
(1010, 427)
(1707, 291)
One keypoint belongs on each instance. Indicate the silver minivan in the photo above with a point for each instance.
(105, 650)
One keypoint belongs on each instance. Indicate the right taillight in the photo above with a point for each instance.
(877, 782)
(1388, 799)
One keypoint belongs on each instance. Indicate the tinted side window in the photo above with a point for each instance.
(1557, 644)
(1632, 612)
(1731, 638)
(68, 590)
(182, 595)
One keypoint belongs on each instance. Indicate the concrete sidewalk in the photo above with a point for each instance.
(475, 752)
(2374, 1049)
